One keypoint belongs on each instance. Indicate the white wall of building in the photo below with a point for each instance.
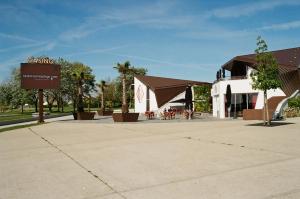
(153, 102)
(270, 93)
(140, 92)
(218, 92)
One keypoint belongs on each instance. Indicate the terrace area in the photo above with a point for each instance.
(151, 160)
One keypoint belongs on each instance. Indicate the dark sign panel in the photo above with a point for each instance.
(40, 76)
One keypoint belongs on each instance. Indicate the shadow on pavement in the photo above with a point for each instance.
(273, 124)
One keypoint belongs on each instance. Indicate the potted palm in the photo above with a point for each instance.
(102, 111)
(81, 114)
(125, 116)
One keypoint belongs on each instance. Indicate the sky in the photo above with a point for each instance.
(183, 39)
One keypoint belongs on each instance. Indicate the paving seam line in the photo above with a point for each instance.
(283, 194)
(208, 175)
(78, 163)
(238, 146)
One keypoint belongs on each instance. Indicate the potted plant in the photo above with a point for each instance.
(102, 111)
(81, 114)
(125, 116)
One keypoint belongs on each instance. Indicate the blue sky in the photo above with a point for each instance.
(181, 39)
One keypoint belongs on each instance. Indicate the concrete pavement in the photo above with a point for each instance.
(204, 159)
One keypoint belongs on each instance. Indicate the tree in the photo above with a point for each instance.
(70, 75)
(66, 91)
(79, 87)
(19, 95)
(266, 76)
(129, 79)
(202, 98)
(125, 80)
(51, 96)
(102, 87)
(124, 69)
(84, 84)
(112, 96)
(33, 98)
(5, 96)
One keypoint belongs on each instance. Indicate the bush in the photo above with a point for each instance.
(292, 112)
(202, 98)
(294, 102)
(202, 106)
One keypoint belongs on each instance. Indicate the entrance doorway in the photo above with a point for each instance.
(241, 101)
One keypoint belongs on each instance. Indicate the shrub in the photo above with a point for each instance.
(292, 112)
(202, 98)
(294, 102)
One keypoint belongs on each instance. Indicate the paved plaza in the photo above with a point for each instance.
(160, 160)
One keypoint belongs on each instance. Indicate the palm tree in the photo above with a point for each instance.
(102, 86)
(124, 69)
(79, 84)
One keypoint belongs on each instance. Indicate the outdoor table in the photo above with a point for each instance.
(149, 114)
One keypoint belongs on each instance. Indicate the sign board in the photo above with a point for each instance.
(40, 76)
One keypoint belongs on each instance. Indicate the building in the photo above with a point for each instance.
(158, 93)
(246, 101)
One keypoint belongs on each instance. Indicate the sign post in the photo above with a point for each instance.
(40, 74)
(41, 106)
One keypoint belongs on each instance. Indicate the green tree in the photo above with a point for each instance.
(70, 77)
(202, 98)
(266, 76)
(102, 87)
(125, 80)
(84, 84)
(66, 91)
(5, 96)
(51, 95)
(129, 80)
(19, 95)
(33, 98)
(112, 96)
(124, 69)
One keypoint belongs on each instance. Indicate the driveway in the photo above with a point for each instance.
(185, 160)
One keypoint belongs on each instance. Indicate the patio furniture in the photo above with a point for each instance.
(149, 114)
(168, 115)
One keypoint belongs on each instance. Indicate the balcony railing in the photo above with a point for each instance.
(230, 78)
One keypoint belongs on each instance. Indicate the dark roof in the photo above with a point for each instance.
(288, 59)
(166, 89)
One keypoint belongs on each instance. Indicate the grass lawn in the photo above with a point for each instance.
(13, 115)
(16, 114)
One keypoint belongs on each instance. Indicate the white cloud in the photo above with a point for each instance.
(204, 67)
(249, 8)
(34, 52)
(16, 37)
(282, 26)
(25, 46)
(101, 50)
(158, 15)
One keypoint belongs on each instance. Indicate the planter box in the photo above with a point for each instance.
(75, 115)
(104, 113)
(85, 116)
(125, 117)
